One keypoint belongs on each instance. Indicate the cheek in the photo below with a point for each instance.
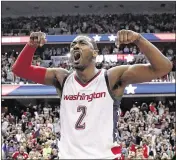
(87, 52)
(88, 56)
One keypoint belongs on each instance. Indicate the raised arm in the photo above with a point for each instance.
(128, 74)
(23, 66)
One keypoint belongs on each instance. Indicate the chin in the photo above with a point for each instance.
(79, 67)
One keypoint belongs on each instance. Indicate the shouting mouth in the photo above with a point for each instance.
(77, 56)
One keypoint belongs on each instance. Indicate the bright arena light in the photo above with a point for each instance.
(68, 54)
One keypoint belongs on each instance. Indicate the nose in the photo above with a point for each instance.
(76, 47)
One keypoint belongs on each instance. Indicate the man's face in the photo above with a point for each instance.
(165, 147)
(123, 145)
(153, 125)
(11, 143)
(54, 152)
(81, 50)
(21, 149)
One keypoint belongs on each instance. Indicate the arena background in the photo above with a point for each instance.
(158, 22)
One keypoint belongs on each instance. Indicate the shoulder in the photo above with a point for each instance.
(60, 72)
(115, 73)
(15, 153)
(60, 75)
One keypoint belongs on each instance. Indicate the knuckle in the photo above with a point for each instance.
(43, 35)
(122, 31)
(32, 34)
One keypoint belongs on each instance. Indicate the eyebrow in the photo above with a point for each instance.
(80, 41)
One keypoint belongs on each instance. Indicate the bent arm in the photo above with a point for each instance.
(159, 66)
(23, 68)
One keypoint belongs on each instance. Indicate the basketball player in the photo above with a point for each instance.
(91, 97)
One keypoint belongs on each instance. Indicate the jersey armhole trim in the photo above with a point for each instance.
(58, 85)
(63, 83)
(108, 86)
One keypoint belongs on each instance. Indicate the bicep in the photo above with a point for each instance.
(138, 73)
(129, 74)
(54, 76)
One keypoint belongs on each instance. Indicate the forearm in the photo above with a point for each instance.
(23, 68)
(160, 64)
(24, 60)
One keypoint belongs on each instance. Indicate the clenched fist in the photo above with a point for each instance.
(37, 39)
(126, 37)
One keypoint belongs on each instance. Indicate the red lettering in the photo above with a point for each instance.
(75, 97)
(66, 97)
(78, 95)
(94, 95)
(98, 95)
(103, 93)
(71, 97)
(82, 97)
(89, 97)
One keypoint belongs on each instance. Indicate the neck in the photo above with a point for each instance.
(87, 74)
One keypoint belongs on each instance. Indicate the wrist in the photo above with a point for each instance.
(138, 40)
(30, 45)
(29, 48)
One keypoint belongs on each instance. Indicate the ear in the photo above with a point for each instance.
(95, 53)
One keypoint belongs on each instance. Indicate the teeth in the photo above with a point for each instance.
(76, 53)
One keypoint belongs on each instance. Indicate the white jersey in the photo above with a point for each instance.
(88, 119)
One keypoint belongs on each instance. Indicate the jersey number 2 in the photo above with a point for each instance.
(78, 124)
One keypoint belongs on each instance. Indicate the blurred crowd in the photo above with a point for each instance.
(146, 131)
(46, 54)
(79, 24)
(105, 49)
(33, 134)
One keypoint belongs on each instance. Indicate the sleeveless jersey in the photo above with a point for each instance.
(88, 116)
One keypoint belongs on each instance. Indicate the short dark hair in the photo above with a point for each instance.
(92, 41)
(94, 44)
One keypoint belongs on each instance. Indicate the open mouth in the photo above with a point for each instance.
(77, 55)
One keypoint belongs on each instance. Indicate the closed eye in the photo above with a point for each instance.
(82, 42)
(72, 44)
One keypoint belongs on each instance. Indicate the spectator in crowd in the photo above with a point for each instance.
(88, 24)
(139, 133)
(85, 24)
(145, 131)
(147, 144)
(31, 138)
(21, 154)
(9, 58)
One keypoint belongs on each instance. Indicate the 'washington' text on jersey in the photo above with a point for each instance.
(83, 96)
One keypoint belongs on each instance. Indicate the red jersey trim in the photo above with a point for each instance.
(84, 85)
